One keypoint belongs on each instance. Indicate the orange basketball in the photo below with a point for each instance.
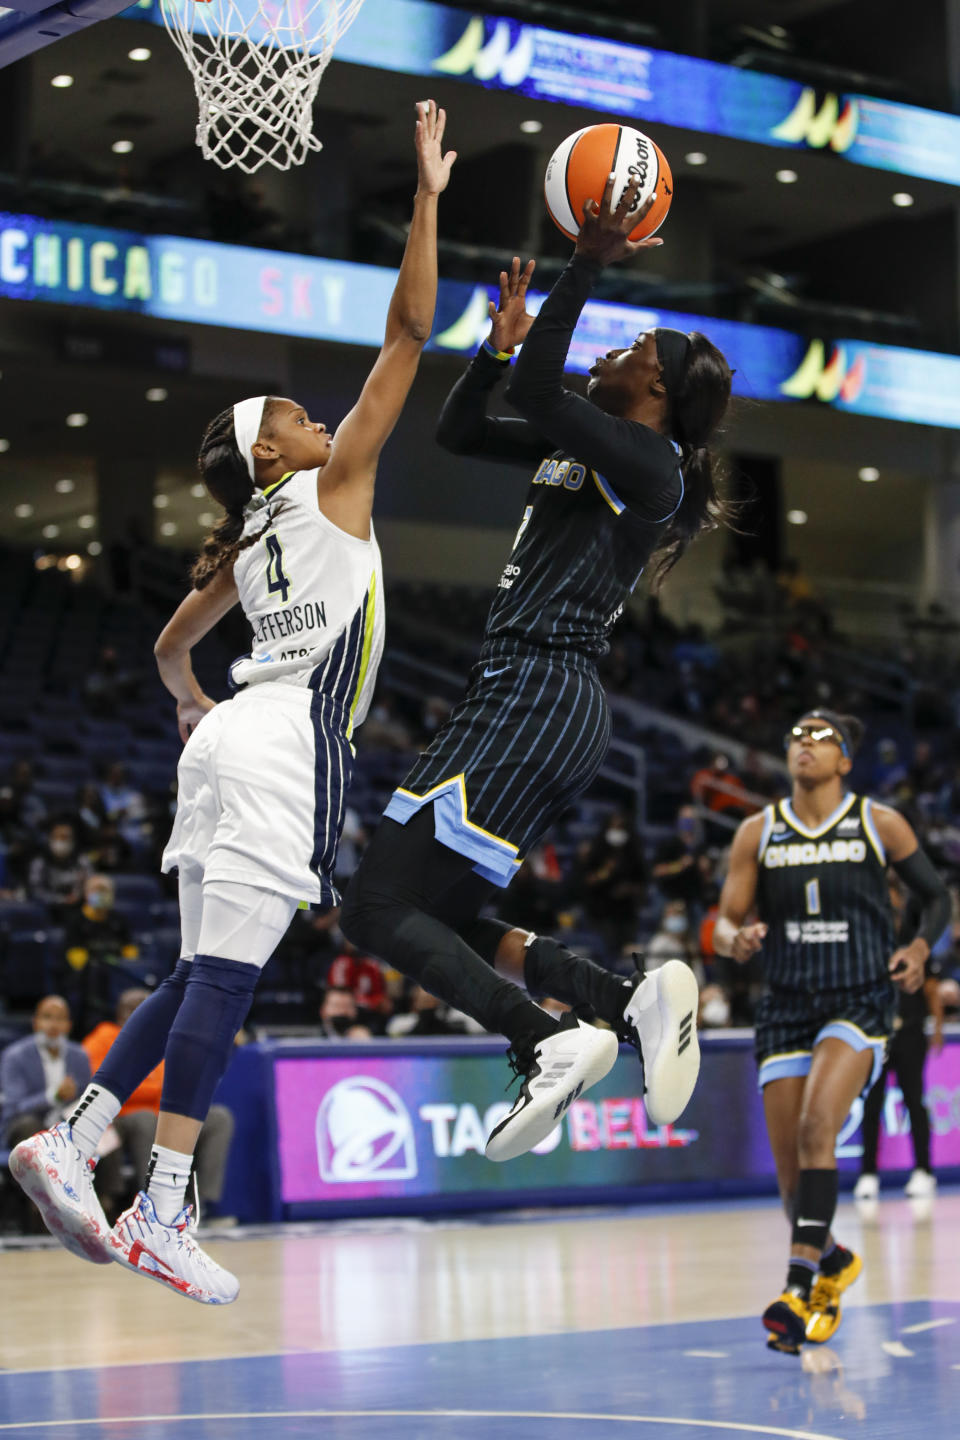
(579, 167)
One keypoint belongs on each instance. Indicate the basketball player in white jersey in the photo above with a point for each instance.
(262, 780)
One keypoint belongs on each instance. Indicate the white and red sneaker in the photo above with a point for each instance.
(58, 1177)
(170, 1254)
(660, 1019)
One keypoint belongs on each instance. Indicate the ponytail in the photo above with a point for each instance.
(697, 412)
(227, 479)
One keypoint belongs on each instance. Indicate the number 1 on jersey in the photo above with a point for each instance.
(813, 897)
(277, 582)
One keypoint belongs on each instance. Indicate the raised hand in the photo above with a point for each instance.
(433, 167)
(509, 321)
(605, 228)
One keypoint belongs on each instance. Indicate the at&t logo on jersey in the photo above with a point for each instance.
(364, 1132)
(824, 852)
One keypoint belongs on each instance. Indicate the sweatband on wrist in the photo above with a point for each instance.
(497, 354)
(918, 873)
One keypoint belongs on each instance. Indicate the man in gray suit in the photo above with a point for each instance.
(40, 1074)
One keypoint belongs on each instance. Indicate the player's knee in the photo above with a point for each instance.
(816, 1137)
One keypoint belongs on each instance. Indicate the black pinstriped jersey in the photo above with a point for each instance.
(823, 894)
(603, 491)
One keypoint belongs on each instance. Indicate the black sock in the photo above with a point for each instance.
(800, 1276)
(815, 1206)
(835, 1260)
(549, 968)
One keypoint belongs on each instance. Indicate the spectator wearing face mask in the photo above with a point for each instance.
(677, 866)
(41, 1074)
(96, 937)
(339, 1018)
(57, 873)
(612, 881)
(674, 940)
(364, 979)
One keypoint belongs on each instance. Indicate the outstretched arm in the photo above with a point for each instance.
(638, 458)
(464, 427)
(345, 484)
(193, 618)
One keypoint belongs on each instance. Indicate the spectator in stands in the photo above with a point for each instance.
(95, 938)
(677, 862)
(41, 1074)
(339, 1018)
(30, 806)
(675, 939)
(113, 855)
(613, 878)
(383, 728)
(364, 978)
(125, 804)
(58, 871)
(90, 814)
(889, 770)
(537, 893)
(15, 845)
(135, 1126)
(722, 793)
(426, 1016)
(102, 689)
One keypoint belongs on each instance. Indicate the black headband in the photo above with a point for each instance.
(673, 351)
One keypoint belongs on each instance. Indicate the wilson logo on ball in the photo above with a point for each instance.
(579, 167)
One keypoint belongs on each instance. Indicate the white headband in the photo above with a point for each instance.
(247, 415)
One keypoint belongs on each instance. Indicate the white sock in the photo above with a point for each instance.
(96, 1109)
(167, 1182)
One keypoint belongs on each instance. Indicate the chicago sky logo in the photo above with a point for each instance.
(496, 58)
(364, 1133)
(830, 124)
(819, 378)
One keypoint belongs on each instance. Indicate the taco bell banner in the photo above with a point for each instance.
(386, 1125)
(635, 83)
(206, 283)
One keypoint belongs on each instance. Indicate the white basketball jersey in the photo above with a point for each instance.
(314, 597)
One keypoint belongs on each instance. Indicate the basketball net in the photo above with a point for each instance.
(256, 68)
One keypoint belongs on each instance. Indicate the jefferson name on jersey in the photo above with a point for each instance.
(279, 624)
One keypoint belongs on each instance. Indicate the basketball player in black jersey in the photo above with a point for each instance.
(617, 478)
(813, 870)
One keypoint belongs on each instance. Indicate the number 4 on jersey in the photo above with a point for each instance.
(277, 582)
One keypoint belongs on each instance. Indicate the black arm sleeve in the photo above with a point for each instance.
(465, 428)
(640, 466)
(917, 872)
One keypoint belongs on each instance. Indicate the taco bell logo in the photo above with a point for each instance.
(364, 1133)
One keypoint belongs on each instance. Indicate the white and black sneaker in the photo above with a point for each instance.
(660, 1019)
(555, 1072)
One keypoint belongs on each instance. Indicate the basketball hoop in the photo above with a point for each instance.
(256, 67)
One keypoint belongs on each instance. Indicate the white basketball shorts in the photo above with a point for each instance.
(262, 784)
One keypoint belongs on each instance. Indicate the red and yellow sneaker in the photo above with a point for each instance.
(787, 1319)
(825, 1315)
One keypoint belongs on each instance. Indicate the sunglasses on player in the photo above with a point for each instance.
(816, 733)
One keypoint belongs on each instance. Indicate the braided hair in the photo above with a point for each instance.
(224, 473)
(697, 411)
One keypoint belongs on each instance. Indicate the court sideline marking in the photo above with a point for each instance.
(740, 1426)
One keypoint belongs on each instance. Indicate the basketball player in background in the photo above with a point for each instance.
(813, 871)
(263, 779)
(619, 477)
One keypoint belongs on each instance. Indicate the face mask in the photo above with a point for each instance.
(617, 837)
(61, 848)
(674, 924)
(686, 827)
(716, 1011)
(99, 901)
(341, 1023)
